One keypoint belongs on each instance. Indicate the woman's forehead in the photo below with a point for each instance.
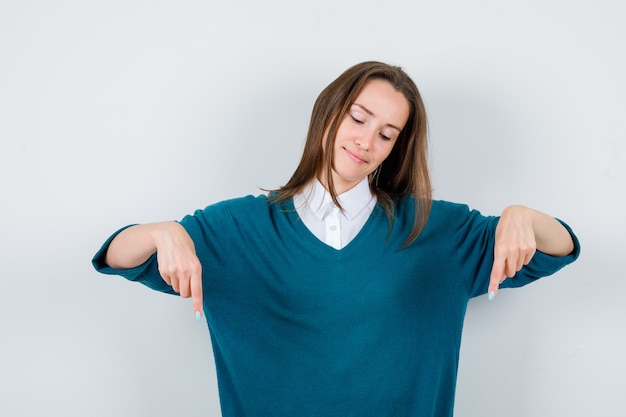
(381, 100)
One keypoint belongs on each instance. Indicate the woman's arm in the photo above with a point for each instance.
(520, 232)
(176, 256)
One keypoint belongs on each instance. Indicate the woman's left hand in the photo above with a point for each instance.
(520, 232)
(514, 247)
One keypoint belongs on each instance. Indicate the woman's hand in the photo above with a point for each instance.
(178, 264)
(520, 232)
(176, 256)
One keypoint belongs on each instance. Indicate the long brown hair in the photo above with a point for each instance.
(404, 172)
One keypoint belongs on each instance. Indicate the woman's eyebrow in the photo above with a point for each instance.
(368, 111)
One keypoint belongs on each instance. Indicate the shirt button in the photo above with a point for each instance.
(333, 228)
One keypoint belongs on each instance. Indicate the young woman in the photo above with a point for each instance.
(343, 292)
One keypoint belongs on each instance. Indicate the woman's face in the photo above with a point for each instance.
(367, 134)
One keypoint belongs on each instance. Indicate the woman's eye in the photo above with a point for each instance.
(384, 137)
(357, 121)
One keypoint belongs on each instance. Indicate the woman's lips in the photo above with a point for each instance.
(356, 158)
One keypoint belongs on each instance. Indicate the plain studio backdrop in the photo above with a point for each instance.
(119, 112)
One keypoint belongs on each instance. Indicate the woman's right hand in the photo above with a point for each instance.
(177, 261)
(178, 264)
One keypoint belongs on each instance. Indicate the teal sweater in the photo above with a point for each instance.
(301, 329)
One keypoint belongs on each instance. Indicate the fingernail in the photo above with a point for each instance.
(198, 316)
(492, 294)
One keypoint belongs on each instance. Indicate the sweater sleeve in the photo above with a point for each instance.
(474, 242)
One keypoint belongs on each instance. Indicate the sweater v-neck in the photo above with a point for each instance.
(318, 245)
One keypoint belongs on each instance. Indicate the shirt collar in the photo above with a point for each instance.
(353, 201)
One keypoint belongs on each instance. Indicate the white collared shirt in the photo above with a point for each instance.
(324, 219)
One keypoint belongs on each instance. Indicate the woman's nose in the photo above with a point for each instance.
(364, 140)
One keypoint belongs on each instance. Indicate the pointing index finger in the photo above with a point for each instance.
(497, 275)
(196, 293)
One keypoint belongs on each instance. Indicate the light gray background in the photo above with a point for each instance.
(117, 112)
